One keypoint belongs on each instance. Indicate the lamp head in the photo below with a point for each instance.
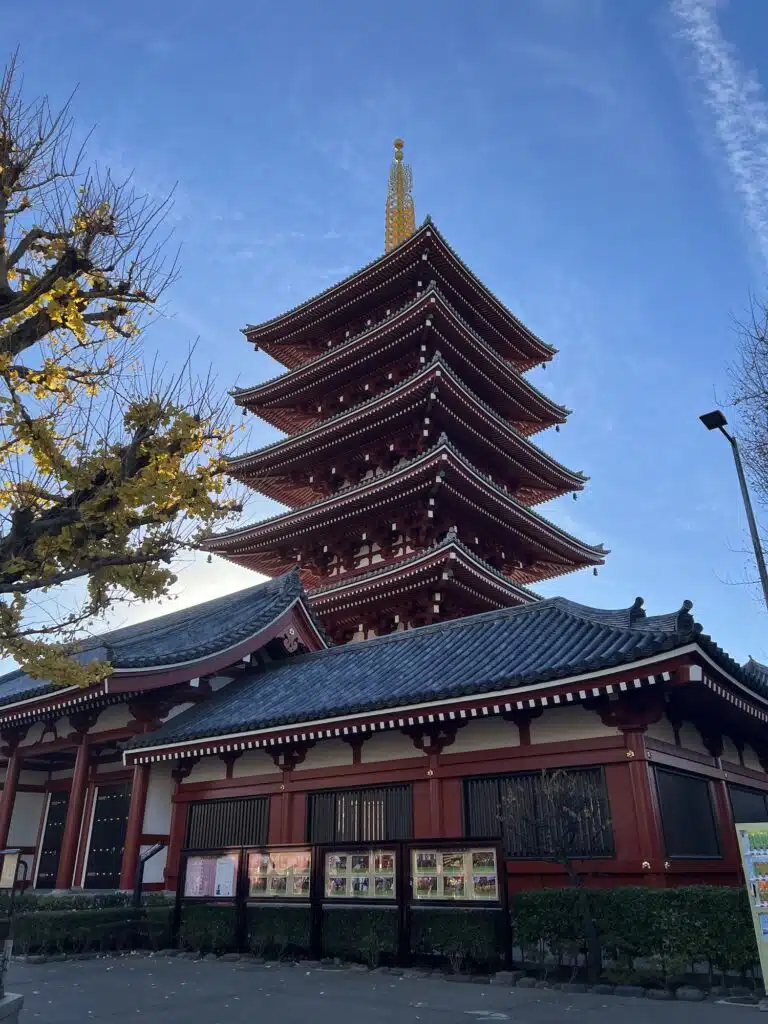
(714, 420)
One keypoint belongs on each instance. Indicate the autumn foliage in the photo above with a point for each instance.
(107, 468)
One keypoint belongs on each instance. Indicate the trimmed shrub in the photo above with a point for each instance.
(671, 928)
(73, 931)
(277, 931)
(365, 934)
(461, 935)
(207, 929)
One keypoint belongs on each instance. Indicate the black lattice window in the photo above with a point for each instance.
(748, 805)
(53, 836)
(687, 815)
(105, 850)
(360, 815)
(216, 824)
(542, 815)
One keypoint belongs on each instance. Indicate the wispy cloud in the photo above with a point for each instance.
(737, 104)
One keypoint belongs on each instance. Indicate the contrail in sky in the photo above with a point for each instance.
(736, 102)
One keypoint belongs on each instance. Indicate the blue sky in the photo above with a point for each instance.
(601, 165)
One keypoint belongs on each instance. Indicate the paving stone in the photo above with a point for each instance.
(662, 994)
(689, 994)
(630, 990)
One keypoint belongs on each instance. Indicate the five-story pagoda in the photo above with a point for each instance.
(407, 468)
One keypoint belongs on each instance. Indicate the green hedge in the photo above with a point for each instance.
(278, 930)
(104, 929)
(360, 933)
(207, 929)
(673, 928)
(462, 935)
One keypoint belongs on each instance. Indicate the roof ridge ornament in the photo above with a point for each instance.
(400, 211)
(685, 622)
(636, 611)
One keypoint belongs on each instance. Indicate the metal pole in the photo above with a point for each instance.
(759, 557)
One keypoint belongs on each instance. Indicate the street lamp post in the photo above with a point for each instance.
(716, 421)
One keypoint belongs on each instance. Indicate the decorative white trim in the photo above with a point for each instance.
(396, 718)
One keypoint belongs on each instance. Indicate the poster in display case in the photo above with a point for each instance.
(363, 874)
(279, 874)
(455, 874)
(211, 877)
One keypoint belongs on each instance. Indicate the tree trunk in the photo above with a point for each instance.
(591, 935)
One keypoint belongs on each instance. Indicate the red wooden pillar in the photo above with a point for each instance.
(650, 850)
(134, 825)
(178, 827)
(8, 797)
(74, 816)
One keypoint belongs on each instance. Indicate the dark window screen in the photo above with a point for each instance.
(542, 815)
(687, 816)
(360, 815)
(213, 824)
(748, 805)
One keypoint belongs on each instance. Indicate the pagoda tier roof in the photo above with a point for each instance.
(469, 572)
(545, 654)
(434, 385)
(410, 329)
(283, 335)
(443, 466)
(190, 637)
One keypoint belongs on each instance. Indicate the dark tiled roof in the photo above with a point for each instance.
(497, 650)
(185, 635)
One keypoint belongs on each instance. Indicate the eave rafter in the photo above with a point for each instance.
(283, 470)
(443, 467)
(293, 329)
(427, 324)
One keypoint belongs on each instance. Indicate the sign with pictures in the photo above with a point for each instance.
(365, 874)
(455, 875)
(211, 876)
(753, 846)
(279, 874)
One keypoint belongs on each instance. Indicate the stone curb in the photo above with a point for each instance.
(512, 979)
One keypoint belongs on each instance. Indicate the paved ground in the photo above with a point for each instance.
(179, 991)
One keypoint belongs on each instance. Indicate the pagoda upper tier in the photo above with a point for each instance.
(408, 469)
(387, 284)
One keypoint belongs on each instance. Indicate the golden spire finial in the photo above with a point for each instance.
(401, 215)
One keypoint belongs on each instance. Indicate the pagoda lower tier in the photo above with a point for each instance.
(444, 581)
(381, 523)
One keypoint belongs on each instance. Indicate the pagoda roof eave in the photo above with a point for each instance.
(449, 546)
(434, 300)
(246, 465)
(256, 332)
(443, 450)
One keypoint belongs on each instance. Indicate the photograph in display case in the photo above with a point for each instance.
(279, 874)
(455, 874)
(211, 877)
(368, 874)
